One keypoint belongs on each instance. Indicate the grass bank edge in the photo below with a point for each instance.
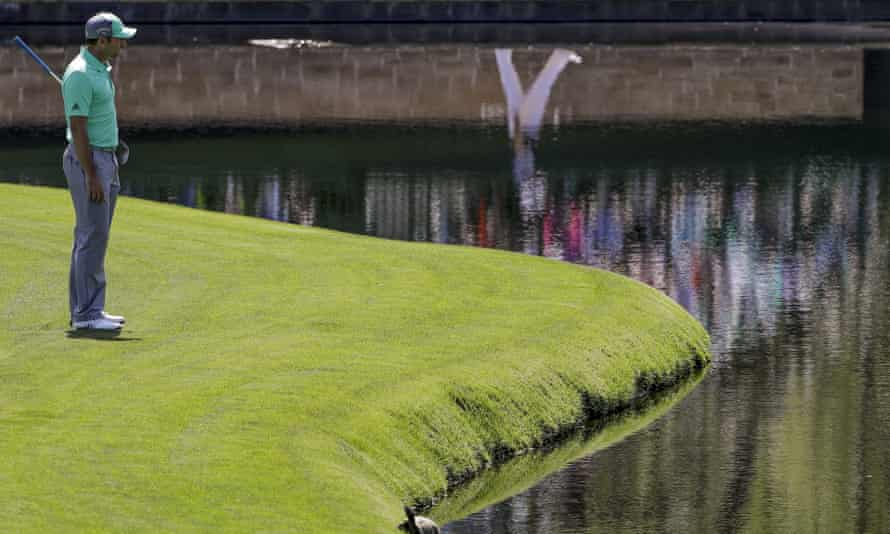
(487, 354)
(525, 470)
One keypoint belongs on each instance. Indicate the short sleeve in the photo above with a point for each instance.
(77, 92)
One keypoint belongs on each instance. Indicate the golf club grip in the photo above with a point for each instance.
(18, 40)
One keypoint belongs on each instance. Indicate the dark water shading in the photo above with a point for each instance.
(550, 33)
(776, 236)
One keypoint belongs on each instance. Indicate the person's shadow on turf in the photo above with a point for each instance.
(101, 335)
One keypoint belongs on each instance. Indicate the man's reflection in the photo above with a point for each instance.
(525, 111)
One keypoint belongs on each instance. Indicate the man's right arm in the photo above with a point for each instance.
(85, 157)
(77, 93)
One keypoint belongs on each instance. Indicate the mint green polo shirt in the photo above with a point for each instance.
(88, 91)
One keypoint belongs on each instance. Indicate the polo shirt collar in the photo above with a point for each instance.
(93, 61)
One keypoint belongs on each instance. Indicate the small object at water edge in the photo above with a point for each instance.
(417, 524)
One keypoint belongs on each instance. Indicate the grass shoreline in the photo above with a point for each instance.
(524, 471)
(281, 377)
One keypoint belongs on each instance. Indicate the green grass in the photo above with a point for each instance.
(280, 378)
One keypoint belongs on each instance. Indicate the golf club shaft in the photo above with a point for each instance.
(18, 40)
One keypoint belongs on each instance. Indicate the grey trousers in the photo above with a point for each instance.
(93, 224)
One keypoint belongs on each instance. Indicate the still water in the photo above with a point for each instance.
(773, 233)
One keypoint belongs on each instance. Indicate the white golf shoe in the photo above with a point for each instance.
(115, 318)
(97, 324)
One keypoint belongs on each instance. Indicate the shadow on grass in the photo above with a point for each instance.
(101, 335)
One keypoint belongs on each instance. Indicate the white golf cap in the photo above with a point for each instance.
(107, 25)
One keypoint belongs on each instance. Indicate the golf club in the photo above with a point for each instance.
(123, 152)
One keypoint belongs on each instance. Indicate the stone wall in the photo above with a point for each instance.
(245, 85)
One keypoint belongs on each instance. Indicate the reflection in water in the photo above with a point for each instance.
(524, 114)
(788, 269)
(437, 209)
(525, 111)
(522, 472)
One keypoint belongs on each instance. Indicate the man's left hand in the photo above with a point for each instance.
(122, 152)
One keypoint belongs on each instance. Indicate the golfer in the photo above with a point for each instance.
(91, 166)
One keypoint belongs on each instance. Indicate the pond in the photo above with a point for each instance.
(749, 183)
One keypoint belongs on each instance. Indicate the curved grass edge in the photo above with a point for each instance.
(530, 467)
(592, 420)
(286, 375)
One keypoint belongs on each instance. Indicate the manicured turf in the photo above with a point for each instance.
(281, 378)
